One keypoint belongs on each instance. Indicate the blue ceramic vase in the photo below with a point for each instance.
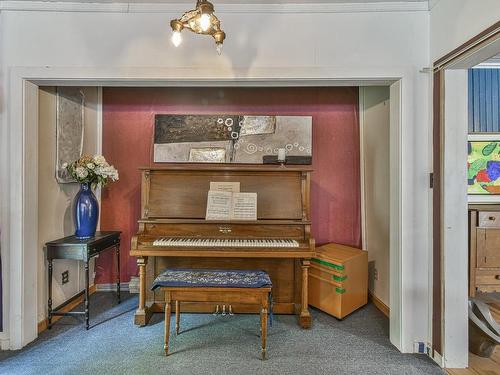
(86, 212)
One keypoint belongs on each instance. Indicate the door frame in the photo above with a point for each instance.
(19, 190)
(472, 52)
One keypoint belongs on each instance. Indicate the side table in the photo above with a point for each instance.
(84, 250)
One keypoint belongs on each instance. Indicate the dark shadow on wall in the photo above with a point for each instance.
(1, 297)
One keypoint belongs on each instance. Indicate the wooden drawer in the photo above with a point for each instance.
(489, 219)
(488, 248)
(325, 295)
(333, 277)
(488, 277)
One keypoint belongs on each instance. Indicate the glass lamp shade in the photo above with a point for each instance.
(205, 21)
(176, 38)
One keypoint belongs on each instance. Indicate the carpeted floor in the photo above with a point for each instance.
(213, 345)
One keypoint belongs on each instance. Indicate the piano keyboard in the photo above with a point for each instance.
(207, 242)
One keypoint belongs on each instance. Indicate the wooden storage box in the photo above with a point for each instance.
(484, 248)
(338, 279)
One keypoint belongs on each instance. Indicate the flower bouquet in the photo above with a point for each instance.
(93, 170)
(89, 171)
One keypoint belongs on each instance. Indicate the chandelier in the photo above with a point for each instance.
(200, 20)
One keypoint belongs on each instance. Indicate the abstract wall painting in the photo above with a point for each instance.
(70, 106)
(483, 167)
(229, 138)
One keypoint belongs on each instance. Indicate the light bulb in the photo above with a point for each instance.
(176, 38)
(218, 47)
(205, 21)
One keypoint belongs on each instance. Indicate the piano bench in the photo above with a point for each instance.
(218, 286)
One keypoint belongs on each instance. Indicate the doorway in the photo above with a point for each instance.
(23, 111)
(450, 255)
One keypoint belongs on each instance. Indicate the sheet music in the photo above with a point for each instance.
(244, 206)
(219, 205)
(233, 187)
(226, 205)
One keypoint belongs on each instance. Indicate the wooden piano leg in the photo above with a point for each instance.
(263, 324)
(142, 314)
(305, 315)
(177, 316)
(168, 312)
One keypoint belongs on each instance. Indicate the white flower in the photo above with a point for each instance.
(90, 165)
(100, 171)
(107, 172)
(81, 172)
(64, 165)
(100, 160)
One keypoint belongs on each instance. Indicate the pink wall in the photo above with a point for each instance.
(128, 118)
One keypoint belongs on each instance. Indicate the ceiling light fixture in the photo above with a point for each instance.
(200, 20)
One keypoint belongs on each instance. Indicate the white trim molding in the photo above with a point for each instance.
(409, 321)
(132, 7)
(4, 344)
(433, 3)
(454, 232)
(361, 114)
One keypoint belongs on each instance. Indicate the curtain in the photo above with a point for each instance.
(484, 96)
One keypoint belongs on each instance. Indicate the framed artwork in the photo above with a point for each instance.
(483, 167)
(70, 107)
(229, 138)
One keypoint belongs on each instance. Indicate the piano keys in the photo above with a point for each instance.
(173, 231)
(217, 242)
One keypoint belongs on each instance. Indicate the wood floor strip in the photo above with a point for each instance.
(496, 356)
(461, 371)
(483, 366)
(479, 365)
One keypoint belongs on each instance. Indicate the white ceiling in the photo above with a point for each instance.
(244, 1)
(493, 62)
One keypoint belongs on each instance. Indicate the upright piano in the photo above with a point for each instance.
(173, 232)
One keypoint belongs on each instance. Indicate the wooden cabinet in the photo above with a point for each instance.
(484, 248)
(338, 279)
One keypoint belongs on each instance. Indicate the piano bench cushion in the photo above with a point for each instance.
(212, 278)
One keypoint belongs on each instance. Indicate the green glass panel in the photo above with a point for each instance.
(339, 278)
(328, 264)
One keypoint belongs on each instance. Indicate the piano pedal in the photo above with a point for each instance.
(223, 310)
(217, 311)
(231, 310)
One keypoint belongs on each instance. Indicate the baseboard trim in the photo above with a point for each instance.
(111, 287)
(42, 326)
(4, 344)
(379, 304)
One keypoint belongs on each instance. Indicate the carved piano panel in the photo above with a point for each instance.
(277, 198)
(174, 233)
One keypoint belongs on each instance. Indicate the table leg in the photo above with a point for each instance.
(87, 302)
(305, 315)
(118, 272)
(49, 302)
(142, 313)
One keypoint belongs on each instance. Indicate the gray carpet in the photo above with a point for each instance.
(213, 345)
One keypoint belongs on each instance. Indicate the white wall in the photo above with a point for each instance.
(453, 22)
(4, 215)
(455, 233)
(375, 117)
(261, 46)
(55, 201)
